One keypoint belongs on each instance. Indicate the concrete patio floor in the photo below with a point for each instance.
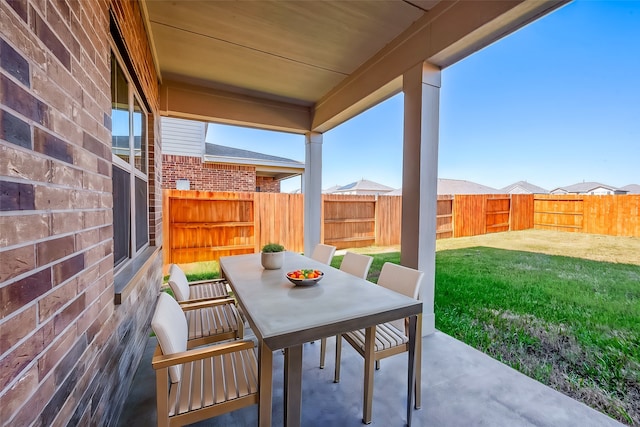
(460, 387)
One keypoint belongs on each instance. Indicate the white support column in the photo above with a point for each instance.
(312, 188)
(421, 87)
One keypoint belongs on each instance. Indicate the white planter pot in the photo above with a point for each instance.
(272, 260)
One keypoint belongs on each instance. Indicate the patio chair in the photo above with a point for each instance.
(357, 265)
(209, 320)
(390, 338)
(199, 290)
(197, 384)
(323, 253)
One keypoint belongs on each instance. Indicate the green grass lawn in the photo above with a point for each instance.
(570, 323)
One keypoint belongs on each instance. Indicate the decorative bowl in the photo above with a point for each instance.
(309, 277)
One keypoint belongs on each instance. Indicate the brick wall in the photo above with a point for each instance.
(67, 353)
(267, 184)
(207, 176)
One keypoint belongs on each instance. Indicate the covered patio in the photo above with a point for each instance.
(84, 86)
(460, 386)
(307, 67)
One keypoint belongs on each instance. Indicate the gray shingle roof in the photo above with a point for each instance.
(523, 187)
(363, 185)
(456, 186)
(631, 188)
(331, 189)
(224, 151)
(459, 186)
(585, 187)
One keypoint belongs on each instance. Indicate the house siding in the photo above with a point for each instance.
(183, 137)
(67, 352)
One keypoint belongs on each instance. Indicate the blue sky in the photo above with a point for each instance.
(555, 103)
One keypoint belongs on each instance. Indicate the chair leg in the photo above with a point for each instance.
(369, 363)
(336, 375)
(323, 351)
(162, 396)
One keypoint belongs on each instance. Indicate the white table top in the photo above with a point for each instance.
(284, 315)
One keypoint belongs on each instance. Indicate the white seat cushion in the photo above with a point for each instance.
(178, 282)
(170, 327)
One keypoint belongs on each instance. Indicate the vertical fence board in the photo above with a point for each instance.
(280, 219)
(497, 212)
(444, 217)
(559, 212)
(388, 220)
(469, 217)
(521, 217)
(349, 221)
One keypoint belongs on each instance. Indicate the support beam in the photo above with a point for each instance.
(312, 189)
(421, 86)
(449, 32)
(211, 105)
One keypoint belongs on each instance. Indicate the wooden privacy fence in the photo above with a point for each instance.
(202, 226)
(615, 215)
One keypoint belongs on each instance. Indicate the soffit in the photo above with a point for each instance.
(298, 65)
(295, 51)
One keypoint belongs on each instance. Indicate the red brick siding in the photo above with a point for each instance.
(214, 176)
(207, 176)
(267, 184)
(67, 354)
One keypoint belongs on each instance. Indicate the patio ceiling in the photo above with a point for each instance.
(309, 65)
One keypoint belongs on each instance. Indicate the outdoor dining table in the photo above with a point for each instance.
(285, 316)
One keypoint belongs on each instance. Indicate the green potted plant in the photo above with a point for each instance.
(272, 256)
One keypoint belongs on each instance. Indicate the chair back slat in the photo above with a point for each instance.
(178, 282)
(403, 280)
(323, 253)
(356, 264)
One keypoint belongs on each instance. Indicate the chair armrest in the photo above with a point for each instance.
(160, 361)
(204, 282)
(194, 305)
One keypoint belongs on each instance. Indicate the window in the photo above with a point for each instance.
(129, 155)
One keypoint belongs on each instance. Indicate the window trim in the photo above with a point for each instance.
(129, 167)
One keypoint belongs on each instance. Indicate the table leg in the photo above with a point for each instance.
(265, 384)
(418, 386)
(411, 380)
(369, 364)
(293, 386)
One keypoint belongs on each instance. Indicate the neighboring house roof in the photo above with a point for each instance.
(331, 189)
(364, 185)
(459, 186)
(455, 186)
(631, 188)
(523, 187)
(585, 187)
(265, 164)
